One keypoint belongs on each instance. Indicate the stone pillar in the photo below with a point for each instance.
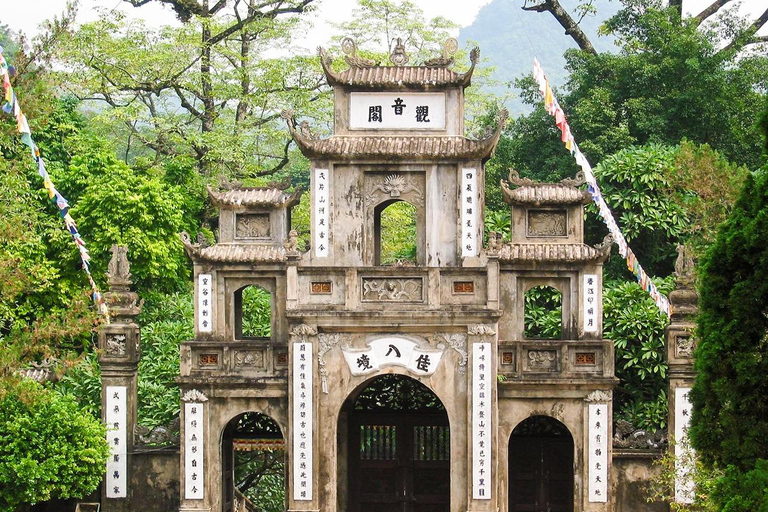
(680, 343)
(482, 446)
(119, 353)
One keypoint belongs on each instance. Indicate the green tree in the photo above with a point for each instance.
(204, 90)
(729, 423)
(670, 81)
(48, 449)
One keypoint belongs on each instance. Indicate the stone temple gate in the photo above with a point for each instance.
(410, 386)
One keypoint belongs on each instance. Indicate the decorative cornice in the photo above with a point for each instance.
(194, 395)
(599, 396)
(481, 330)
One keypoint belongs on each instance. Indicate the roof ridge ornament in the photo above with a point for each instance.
(450, 47)
(349, 48)
(398, 57)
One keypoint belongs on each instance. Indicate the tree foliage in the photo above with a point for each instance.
(670, 81)
(637, 328)
(48, 449)
(205, 90)
(730, 419)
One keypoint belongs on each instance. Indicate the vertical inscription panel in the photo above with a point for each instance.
(116, 416)
(684, 486)
(598, 453)
(591, 306)
(482, 385)
(303, 448)
(194, 451)
(469, 212)
(321, 213)
(205, 303)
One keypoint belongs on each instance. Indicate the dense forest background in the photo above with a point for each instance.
(134, 122)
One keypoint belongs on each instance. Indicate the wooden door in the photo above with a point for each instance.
(399, 462)
(540, 474)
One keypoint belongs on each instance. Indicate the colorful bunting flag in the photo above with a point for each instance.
(11, 106)
(554, 109)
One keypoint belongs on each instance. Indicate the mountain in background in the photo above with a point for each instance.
(509, 38)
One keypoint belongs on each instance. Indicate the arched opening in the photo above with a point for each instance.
(544, 313)
(253, 464)
(395, 233)
(541, 466)
(253, 313)
(395, 438)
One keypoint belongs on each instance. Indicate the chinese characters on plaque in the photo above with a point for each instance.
(469, 209)
(302, 421)
(392, 351)
(204, 303)
(598, 452)
(590, 302)
(116, 416)
(387, 111)
(684, 492)
(482, 384)
(193, 451)
(322, 209)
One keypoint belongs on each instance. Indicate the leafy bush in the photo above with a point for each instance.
(257, 312)
(48, 448)
(637, 328)
(742, 491)
(167, 321)
(543, 313)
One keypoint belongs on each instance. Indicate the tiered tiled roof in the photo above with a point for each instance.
(254, 196)
(529, 192)
(366, 74)
(411, 147)
(237, 253)
(511, 253)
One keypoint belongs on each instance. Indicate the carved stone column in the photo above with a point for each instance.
(680, 347)
(119, 353)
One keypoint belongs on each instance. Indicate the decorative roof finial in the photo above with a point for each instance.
(349, 48)
(119, 270)
(398, 57)
(450, 47)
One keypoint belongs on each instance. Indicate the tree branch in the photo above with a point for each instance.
(256, 15)
(748, 36)
(709, 11)
(566, 21)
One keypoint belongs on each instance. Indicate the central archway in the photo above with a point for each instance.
(397, 446)
(541, 466)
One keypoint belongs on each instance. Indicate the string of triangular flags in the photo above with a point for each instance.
(11, 106)
(554, 109)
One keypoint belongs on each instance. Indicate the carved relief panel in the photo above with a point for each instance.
(543, 223)
(252, 226)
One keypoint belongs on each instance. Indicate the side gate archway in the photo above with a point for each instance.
(541, 466)
(253, 464)
(397, 448)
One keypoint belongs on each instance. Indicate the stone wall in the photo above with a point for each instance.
(631, 473)
(155, 479)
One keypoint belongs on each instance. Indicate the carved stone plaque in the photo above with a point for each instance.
(252, 225)
(542, 360)
(115, 345)
(249, 358)
(393, 289)
(547, 223)
(684, 346)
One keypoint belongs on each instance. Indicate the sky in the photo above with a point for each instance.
(26, 15)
